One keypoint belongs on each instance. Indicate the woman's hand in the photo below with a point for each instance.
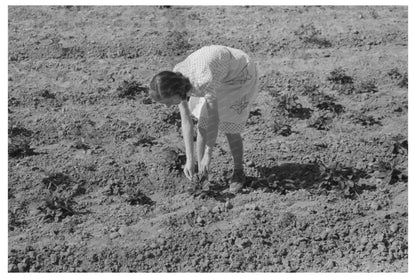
(204, 164)
(189, 170)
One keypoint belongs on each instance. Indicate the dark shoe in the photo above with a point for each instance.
(237, 181)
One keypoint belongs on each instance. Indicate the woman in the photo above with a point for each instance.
(216, 84)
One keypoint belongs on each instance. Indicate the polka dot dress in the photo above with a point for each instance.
(226, 74)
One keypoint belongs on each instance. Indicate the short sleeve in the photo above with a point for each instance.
(213, 75)
(206, 70)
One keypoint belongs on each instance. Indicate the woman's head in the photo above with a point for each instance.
(167, 85)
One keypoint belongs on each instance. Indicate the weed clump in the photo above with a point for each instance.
(320, 122)
(63, 186)
(54, 181)
(344, 180)
(20, 147)
(282, 128)
(368, 86)
(339, 76)
(366, 120)
(373, 13)
(342, 82)
(403, 81)
(399, 77)
(130, 89)
(45, 93)
(171, 117)
(309, 89)
(55, 209)
(394, 73)
(175, 43)
(308, 34)
(288, 105)
(19, 141)
(134, 196)
(331, 106)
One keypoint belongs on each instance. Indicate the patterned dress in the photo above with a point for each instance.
(226, 74)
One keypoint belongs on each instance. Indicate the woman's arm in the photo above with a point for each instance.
(187, 133)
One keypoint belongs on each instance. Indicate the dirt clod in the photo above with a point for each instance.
(394, 227)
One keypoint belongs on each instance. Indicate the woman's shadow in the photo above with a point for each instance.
(284, 178)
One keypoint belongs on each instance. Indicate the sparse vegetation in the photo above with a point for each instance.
(403, 81)
(366, 120)
(175, 43)
(55, 209)
(331, 106)
(288, 105)
(367, 86)
(320, 121)
(342, 82)
(326, 143)
(19, 141)
(131, 89)
(396, 75)
(340, 77)
(309, 35)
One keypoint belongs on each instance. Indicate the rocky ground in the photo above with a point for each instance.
(95, 179)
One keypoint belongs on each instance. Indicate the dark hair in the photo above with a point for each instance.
(167, 84)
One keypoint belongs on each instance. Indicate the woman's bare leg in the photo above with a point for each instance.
(235, 142)
(236, 146)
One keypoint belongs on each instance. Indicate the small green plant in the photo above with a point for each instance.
(56, 180)
(394, 73)
(339, 76)
(341, 179)
(309, 89)
(307, 32)
(288, 105)
(282, 128)
(310, 35)
(80, 145)
(134, 196)
(286, 102)
(45, 93)
(171, 117)
(331, 106)
(368, 86)
(373, 13)
(175, 43)
(403, 81)
(19, 147)
(318, 97)
(55, 209)
(131, 89)
(366, 120)
(320, 121)
(19, 141)
(401, 78)
(12, 102)
(342, 82)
